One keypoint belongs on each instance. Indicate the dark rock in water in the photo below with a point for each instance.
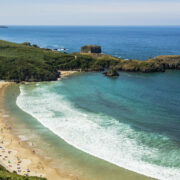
(91, 49)
(111, 73)
(26, 43)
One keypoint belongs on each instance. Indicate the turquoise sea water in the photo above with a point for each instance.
(132, 121)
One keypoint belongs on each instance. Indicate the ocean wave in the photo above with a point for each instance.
(97, 134)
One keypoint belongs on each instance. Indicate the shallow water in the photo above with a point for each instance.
(131, 121)
(68, 160)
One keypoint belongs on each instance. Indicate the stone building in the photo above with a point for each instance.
(91, 49)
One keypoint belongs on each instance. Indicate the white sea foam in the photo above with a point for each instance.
(96, 134)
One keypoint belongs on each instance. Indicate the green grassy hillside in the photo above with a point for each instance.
(25, 62)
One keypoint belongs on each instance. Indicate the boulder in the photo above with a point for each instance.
(34, 45)
(111, 73)
(91, 49)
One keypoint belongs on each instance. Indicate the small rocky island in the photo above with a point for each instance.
(91, 49)
(111, 73)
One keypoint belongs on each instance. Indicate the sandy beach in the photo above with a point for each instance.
(17, 155)
(14, 156)
(67, 73)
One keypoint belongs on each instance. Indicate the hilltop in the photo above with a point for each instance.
(26, 62)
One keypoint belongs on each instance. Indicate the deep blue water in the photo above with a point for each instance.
(126, 42)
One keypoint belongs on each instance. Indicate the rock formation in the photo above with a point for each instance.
(111, 73)
(91, 49)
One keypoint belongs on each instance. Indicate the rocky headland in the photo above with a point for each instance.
(26, 62)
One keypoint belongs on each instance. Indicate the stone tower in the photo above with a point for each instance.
(91, 49)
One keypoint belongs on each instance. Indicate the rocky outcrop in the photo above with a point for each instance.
(156, 64)
(111, 73)
(91, 49)
(36, 46)
(168, 61)
(29, 44)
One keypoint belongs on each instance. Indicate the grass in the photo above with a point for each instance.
(5, 175)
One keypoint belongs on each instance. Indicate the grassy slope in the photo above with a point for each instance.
(11, 50)
(21, 62)
(26, 63)
(5, 175)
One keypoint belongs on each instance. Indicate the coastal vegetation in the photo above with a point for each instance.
(26, 62)
(6, 175)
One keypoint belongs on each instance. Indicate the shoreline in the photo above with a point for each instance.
(67, 73)
(15, 155)
(37, 165)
